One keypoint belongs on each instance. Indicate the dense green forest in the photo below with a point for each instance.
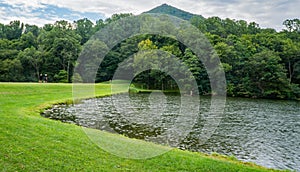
(258, 62)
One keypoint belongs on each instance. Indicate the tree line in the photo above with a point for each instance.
(26, 51)
(257, 62)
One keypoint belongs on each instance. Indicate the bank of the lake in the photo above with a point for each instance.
(30, 142)
(252, 130)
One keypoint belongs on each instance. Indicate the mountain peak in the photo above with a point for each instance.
(165, 4)
(170, 10)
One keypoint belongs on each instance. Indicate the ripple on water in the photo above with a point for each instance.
(266, 132)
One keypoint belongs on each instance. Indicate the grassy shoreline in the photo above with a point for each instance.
(30, 142)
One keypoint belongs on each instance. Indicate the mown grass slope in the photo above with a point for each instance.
(30, 142)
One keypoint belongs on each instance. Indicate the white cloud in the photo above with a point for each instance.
(268, 13)
(25, 3)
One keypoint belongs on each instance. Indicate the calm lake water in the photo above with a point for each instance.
(266, 132)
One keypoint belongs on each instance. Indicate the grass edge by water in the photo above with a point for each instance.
(35, 111)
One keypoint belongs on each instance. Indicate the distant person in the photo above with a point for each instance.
(46, 78)
(41, 78)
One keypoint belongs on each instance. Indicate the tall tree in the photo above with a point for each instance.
(32, 61)
(11, 70)
(33, 29)
(14, 30)
(292, 25)
(84, 28)
(60, 46)
(265, 76)
(291, 58)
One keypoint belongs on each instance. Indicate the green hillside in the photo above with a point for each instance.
(168, 9)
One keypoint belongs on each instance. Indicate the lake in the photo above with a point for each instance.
(266, 132)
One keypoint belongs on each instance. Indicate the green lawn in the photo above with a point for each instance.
(30, 142)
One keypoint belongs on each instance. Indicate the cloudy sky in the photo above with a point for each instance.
(268, 13)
